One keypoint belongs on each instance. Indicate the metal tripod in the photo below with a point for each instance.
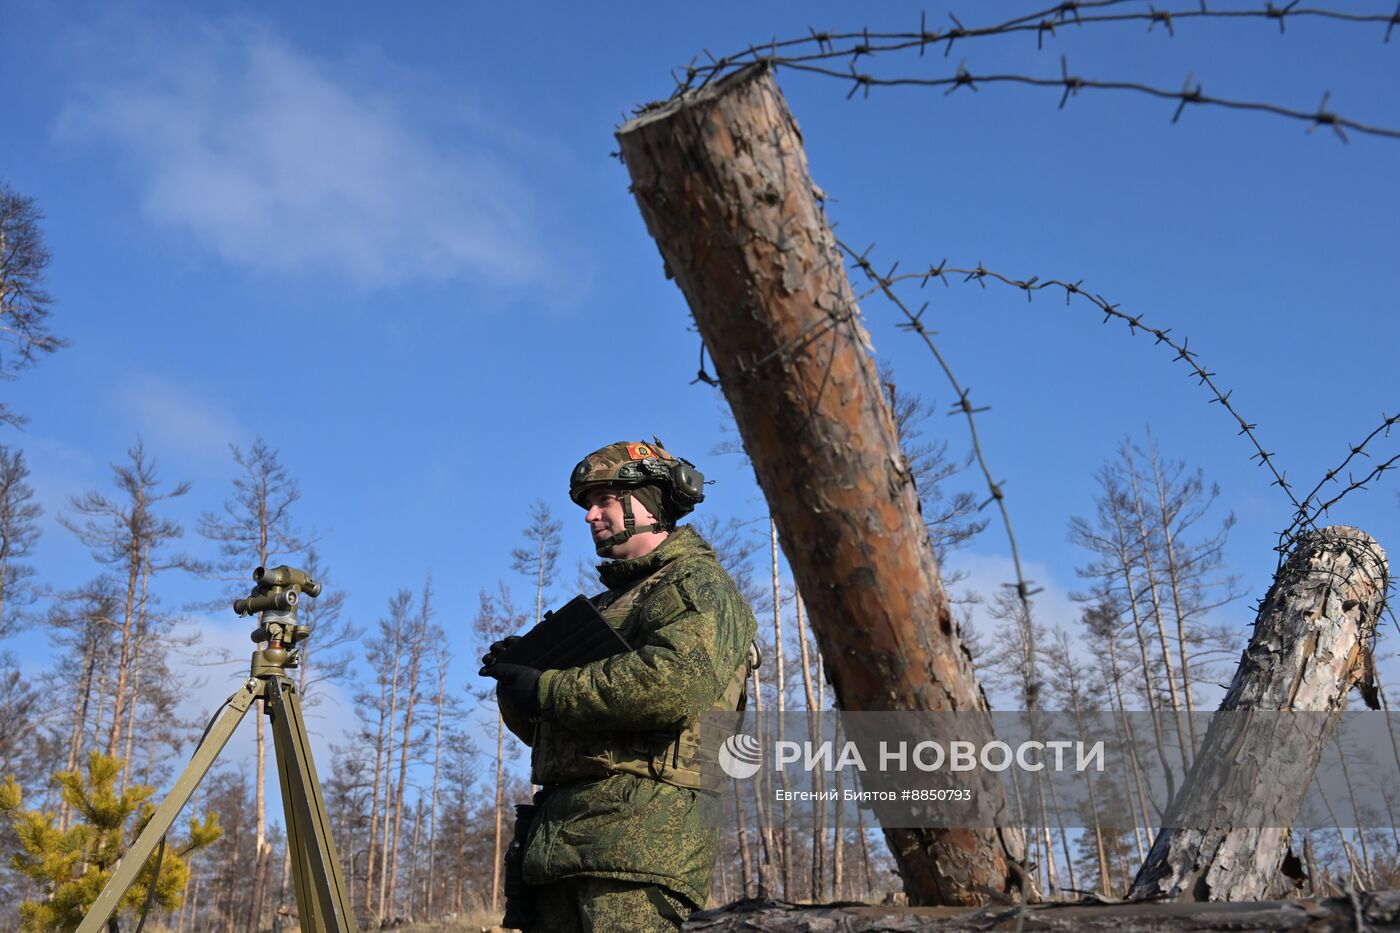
(323, 901)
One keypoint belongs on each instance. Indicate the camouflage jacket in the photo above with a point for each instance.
(690, 631)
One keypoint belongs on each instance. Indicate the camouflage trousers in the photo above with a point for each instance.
(603, 905)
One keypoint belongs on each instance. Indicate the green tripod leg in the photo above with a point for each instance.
(323, 901)
(131, 864)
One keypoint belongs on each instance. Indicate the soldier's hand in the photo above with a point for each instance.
(496, 650)
(517, 685)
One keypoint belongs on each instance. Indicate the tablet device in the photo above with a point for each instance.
(572, 636)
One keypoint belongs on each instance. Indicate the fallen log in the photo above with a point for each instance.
(1364, 911)
(1311, 645)
(722, 181)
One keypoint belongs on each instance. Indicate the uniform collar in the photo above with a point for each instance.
(683, 542)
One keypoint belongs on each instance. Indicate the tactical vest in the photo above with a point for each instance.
(684, 756)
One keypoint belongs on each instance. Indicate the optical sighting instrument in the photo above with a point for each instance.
(323, 901)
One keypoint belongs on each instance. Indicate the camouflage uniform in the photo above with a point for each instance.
(624, 823)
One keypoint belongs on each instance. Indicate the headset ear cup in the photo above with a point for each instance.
(687, 486)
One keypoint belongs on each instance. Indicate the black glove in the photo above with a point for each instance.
(496, 650)
(517, 685)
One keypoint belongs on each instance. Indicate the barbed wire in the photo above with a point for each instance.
(1306, 512)
(807, 52)
(1320, 507)
(1022, 586)
(1111, 311)
(803, 53)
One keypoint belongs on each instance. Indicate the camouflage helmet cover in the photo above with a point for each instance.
(635, 463)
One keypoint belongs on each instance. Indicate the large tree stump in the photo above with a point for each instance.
(1310, 646)
(722, 181)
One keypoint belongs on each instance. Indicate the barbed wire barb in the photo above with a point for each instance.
(1324, 118)
(953, 34)
(807, 53)
(1275, 13)
(1162, 16)
(1071, 84)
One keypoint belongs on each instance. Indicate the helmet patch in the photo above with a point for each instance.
(628, 463)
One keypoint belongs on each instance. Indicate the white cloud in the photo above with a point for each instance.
(987, 574)
(280, 162)
(169, 418)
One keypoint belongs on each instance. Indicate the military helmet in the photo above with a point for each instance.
(635, 463)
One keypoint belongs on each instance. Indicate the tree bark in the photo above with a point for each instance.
(721, 178)
(1310, 646)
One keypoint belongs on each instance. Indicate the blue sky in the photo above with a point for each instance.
(394, 244)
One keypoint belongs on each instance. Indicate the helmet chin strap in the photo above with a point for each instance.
(629, 528)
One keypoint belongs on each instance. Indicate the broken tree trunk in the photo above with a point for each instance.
(722, 181)
(1311, 644)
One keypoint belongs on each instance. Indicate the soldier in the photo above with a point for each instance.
(625, 831)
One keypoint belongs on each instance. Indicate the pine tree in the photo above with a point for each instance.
(256, 528)
(24, 305)
(72, 866)
(19, 532)
(128, 534)
(539, 557)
